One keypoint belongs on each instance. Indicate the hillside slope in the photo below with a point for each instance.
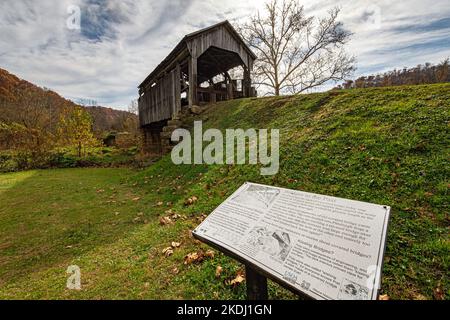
(107, 119)
(15, 91)
(386, 146)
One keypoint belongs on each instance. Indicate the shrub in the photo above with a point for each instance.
(62, 160)
(8, 164)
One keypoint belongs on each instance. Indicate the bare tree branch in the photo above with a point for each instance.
(296, 52)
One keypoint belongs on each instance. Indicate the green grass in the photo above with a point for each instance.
(386, 146)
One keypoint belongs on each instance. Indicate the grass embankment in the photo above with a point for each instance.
(386, 146)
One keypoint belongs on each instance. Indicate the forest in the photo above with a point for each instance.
(41, 129)
(421, 74)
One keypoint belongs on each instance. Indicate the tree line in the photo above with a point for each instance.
(36, 123)
(421, 74)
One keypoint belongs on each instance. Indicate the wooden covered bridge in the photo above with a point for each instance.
(196, 72)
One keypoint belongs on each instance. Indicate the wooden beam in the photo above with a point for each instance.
(177, 89)
(193, 76)
(247, 85)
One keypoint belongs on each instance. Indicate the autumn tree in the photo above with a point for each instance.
(75, 129)
(297, 52)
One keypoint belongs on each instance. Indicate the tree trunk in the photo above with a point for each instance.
(277, 91)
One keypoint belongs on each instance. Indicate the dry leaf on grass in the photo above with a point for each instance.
(197, 257)
(238, 280)
(219, 271)
(191, 201)
(176, 245)
(168, 251)
(201, 218)
(165, 221)
(418, 296)
(136, 199)
(193, 257)
(384, 297)
(439, 293)
(210, 254)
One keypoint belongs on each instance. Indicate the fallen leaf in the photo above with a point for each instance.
(238, 280)
(439, 293)
(168, 251)
(175, 271)
(176, 216)
(165, 221)
(191, 201)
(140, 214)
(210, 254)
(136, 220)
(194, 257)
(384, 297)
(418, 296)
(159, 204)
(176, 245)
(136, 199)
(219, 271)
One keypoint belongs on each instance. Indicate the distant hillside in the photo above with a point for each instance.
(107, 119)
(17, 97)
(27, 104)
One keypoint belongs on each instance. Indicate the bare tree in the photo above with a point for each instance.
(296, 52)
(133, 107)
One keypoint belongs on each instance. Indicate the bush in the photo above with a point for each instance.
(11, 161)
(8, 164)
(62, 160)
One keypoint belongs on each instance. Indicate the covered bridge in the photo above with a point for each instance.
(196, 72)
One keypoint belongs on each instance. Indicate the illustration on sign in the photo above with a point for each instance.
(257, 196)
(275, 243)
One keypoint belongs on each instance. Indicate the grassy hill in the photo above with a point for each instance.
(381, 145)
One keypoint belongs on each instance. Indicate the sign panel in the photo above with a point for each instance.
(324, 247)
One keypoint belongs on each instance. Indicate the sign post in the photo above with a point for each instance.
(318, 247)
(256, 285)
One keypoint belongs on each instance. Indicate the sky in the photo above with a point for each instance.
(103, 49)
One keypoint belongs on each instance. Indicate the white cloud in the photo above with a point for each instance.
(122, 41)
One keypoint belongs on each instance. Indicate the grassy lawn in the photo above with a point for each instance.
(102, 221)
(386, 146)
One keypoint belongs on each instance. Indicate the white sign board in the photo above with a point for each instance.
(327, 248)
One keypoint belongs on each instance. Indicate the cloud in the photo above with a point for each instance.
(120, 42)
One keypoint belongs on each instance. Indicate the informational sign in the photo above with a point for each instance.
(324, 247)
